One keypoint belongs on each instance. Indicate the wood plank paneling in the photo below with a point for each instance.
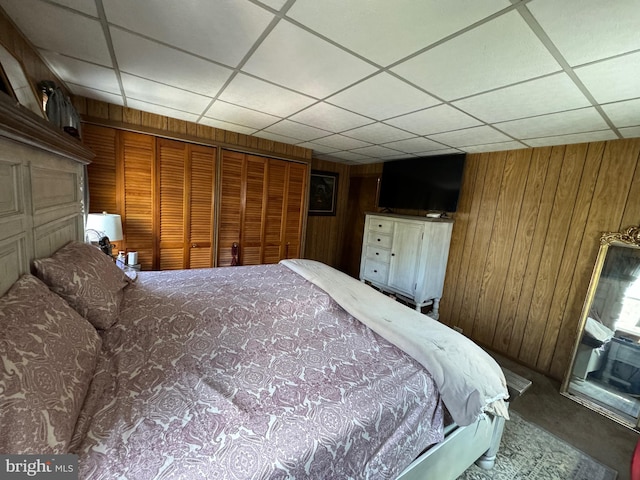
(500, 244)
(102, 170)
(325, 234)
(526, 303)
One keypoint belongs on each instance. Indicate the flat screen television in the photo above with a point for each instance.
(425, 183)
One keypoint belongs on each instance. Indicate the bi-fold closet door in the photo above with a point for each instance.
(166, 192)
(262, 205)
(185, 204)
(163, 190)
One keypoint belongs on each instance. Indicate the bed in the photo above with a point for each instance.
(277, 371)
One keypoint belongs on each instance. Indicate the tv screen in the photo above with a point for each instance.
(426, 183)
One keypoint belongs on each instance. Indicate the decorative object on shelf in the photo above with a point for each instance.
(107, 227)
(60, 111)
(323, 193)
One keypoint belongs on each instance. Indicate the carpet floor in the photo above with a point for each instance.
(528, 452)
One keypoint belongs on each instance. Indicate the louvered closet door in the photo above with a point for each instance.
(201, 207)
(185, 205)
(232, 173)
(274, 221)
(251, 244)
(137, 153)
(296, 194)
(172, 167)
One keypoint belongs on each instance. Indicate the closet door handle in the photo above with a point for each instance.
(194, 245)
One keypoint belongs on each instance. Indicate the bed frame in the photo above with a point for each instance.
(41, 177)
(41, 209)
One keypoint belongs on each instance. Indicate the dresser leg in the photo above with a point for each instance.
(435, 313)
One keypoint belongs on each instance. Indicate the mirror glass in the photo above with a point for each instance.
(605, 372)
(19, 83)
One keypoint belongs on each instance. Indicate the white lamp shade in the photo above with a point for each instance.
(108, 224)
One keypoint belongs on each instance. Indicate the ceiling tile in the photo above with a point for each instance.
(495, 54)
(630, 132)
(95, 94)
(232, 127)
(277, 138)
(341, 142)
(574, 138)
(293, 57)
(377, 151)
(151, 92)
(383, 96)
(145, 58)
(297, 130)
(444, 151)
(275, 4)
(613, 80)
(378, 133)
(624, 114)
(470, 136)
(366, 26)
(160, 110)
(85, 40)
(561, 123)
(316, 147)
(240, 115)
(588, 30)
(221, 30)
(493, 147)
(536, 97)
(82, 73)
(84, 6)
(415, 145)
(434, 120)
(352, 156)
(258, 95)
(328, 117)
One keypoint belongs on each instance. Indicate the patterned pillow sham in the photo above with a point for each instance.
(48, 354)
(87, 279)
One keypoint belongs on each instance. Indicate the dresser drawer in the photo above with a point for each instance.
(377, 239)
(376, 272)
(378, 254)
(381, 225)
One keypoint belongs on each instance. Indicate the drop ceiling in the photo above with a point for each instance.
(357, 81)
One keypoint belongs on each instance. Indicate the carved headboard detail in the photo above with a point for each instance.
(41, 178)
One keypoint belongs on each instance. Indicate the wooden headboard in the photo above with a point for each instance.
(41, 186)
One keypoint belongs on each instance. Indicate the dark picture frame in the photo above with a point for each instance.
(323, 193)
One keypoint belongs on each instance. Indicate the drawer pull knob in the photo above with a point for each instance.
(378, 239)
(375, 271)
(377, 253)
(380, 225)
(393, 254)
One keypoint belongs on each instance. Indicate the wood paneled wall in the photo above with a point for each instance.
(324, 241)
(525, 242)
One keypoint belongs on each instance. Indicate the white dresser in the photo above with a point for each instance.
(406, 256)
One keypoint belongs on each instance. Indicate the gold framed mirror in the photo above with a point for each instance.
(604, 373)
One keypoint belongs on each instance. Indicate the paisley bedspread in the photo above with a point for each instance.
(250, 372)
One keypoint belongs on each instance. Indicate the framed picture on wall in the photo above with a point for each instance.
(323, 193)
